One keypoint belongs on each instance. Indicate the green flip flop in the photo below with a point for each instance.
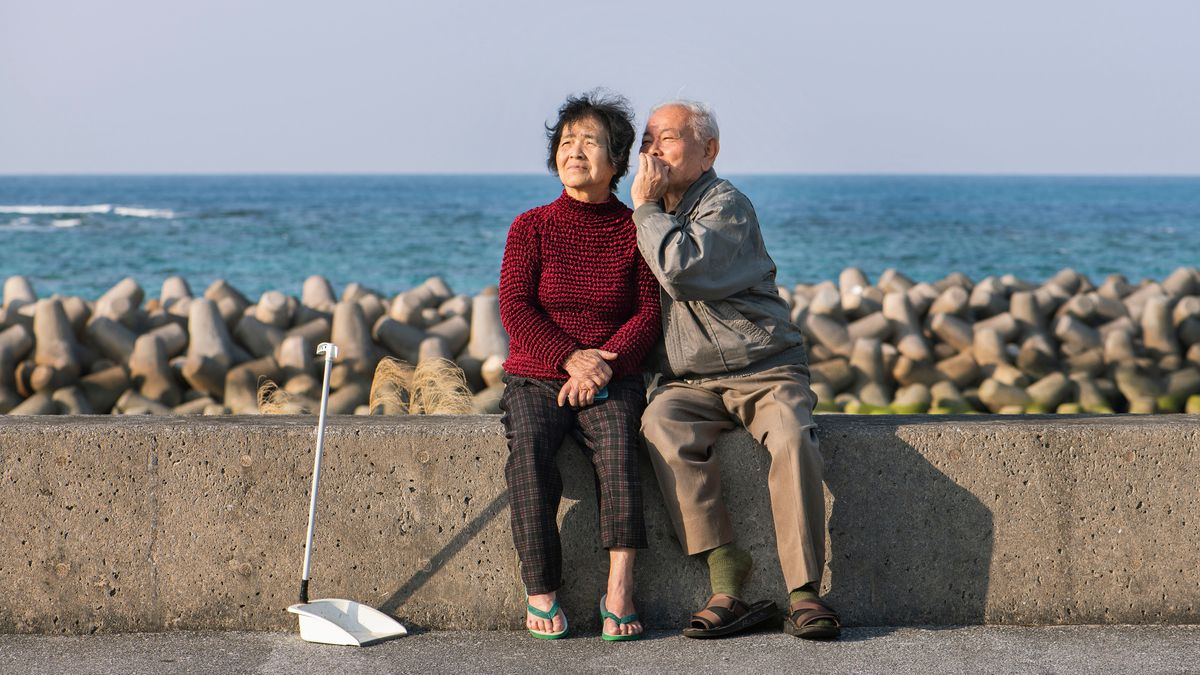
(549, 616)
(621, 621)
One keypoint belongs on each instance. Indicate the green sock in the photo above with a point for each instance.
(805, 592)
(728, 567)
(808, 592)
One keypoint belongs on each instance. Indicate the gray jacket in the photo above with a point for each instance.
(721, 310)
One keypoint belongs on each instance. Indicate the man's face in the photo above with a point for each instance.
(670, 137)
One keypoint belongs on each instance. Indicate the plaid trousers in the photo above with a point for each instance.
(609, 433)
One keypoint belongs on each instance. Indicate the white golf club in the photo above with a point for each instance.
(335, 621)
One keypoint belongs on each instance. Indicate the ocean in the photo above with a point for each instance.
(79, 235)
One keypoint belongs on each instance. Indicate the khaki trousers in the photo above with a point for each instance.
(683, 420)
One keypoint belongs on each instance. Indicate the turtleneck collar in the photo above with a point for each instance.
(591, 212)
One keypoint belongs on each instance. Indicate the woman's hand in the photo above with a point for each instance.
(576, 392)
(590, 367)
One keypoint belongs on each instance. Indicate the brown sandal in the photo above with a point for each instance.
(802, 616)
(724, 615)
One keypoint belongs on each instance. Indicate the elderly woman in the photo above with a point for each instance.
(581, 310)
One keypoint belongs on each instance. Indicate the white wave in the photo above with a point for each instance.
(43, 209)
(85, 209)
(136, 212)
(22, 224)
(66, 222)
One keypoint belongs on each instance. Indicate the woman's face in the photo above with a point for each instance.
(582, 156)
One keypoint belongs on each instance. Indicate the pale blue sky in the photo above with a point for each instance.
(927, 86)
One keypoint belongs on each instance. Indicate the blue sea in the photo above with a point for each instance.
(81, 234)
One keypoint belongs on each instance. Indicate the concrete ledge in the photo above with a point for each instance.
(198, 523)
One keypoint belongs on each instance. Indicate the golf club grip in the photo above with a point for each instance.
(304, 591)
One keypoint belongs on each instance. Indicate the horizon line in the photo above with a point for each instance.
(814, 174)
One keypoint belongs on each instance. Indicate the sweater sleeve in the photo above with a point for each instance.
(520, 313)
(633, 340)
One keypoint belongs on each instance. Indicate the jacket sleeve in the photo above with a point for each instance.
(520, 313)
(633, 340)
(705, 259)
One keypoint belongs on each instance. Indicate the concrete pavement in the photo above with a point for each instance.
(1062, 649)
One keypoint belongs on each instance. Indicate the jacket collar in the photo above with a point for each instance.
(695, 191)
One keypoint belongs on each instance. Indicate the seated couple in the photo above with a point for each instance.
(587, 289)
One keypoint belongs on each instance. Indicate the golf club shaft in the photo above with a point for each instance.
(316, 478)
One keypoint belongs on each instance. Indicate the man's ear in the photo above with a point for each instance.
(711, 149)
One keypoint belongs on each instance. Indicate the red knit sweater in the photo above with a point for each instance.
(572, 278)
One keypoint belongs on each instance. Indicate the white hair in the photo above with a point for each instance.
(702, 119)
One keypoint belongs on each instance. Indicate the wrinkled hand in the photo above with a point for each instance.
(576, 392)
(650, 184)
(590, 367)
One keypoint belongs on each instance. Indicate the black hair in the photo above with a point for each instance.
(611, 111)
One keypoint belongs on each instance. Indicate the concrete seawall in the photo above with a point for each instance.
(146, 524)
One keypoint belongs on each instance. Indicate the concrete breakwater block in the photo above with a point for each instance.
(487, 336)
(866, 342)
(122, 303)
(208, 355)
(408, 307)
(1010, 331)
(15, 342)
(147, 524)
(56, 355)
(150, 372)
(18, 291)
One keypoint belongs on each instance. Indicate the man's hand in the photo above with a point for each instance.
(579, 394)
(650, 184)
(589, 367)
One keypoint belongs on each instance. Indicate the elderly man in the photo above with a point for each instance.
(730, 356)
